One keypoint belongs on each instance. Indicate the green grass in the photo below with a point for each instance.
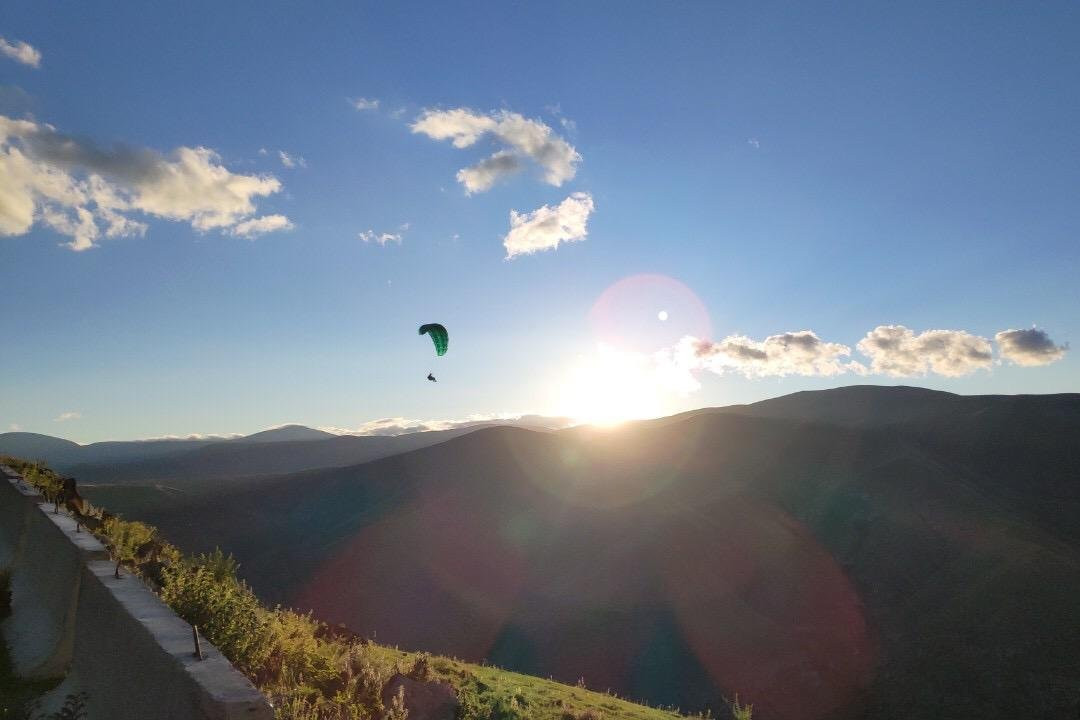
(494, 692)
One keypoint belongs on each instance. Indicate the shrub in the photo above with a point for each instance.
(294, 650)
(125, 539)
(421, 669)
(221, 566)
(226, 611)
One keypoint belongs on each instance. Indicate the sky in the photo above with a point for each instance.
(221, 217)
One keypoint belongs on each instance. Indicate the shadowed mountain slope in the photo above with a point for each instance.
(886, 562)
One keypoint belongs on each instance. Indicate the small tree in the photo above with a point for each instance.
(125, 539)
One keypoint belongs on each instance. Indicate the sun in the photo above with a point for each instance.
(608, 387)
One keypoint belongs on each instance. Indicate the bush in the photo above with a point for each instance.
(741, 712)
(221, 566)
(421, 669)
(294, 650)
(226, 612)
(125, 539)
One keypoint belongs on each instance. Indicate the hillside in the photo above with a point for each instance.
(188, 464)
(882, 552)
(304, 668)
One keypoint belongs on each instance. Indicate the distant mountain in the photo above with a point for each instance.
(232, 460)
(285, 433)
(63, 455)
(34, 446)
(863, 552)
(289, 448)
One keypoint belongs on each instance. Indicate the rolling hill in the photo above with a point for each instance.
(191, 463)
(862, 552)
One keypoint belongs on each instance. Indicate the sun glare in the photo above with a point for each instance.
(609, 387)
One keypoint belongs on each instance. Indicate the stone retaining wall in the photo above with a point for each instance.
(114, 639)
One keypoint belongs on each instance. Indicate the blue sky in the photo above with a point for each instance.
(890, 169)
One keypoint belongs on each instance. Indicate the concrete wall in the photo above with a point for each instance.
(113, 638)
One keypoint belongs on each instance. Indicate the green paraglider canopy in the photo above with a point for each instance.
(439, 336)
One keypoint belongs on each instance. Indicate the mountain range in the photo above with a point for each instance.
(859, 552)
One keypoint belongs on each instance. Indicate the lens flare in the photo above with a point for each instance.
(625, 315)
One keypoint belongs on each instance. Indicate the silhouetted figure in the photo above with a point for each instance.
(73, 501)
(431, 377)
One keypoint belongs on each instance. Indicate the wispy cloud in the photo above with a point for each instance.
(567, 124)
(1029, 347)
(193, 436)
(521, 137)
(291, 161)
(546, 227)
(14, 427)
(754, 143)
(84, 191)
(255, 227)
(361, 103)
(370, 236)
(69, 415)
(404, 426)
(482, 176)
(21, 52)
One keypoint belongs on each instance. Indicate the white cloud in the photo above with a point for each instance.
(897, 351)
(21, 52)
(82, 191)
(69, 415)
(482, 176)
(261, 225)
(364, 103)
(521, 137)
(545, 227)
(14, 427)
(291, 161)
(892, 349)
(461, 126)
(791, 353)
(1030, 347)
(754, 143)
(192, 436)
(370, 236)
(404, 426)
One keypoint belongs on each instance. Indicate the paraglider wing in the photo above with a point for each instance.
(439, 336)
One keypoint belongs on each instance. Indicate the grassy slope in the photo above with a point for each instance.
(539, 699)
(513, 695)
